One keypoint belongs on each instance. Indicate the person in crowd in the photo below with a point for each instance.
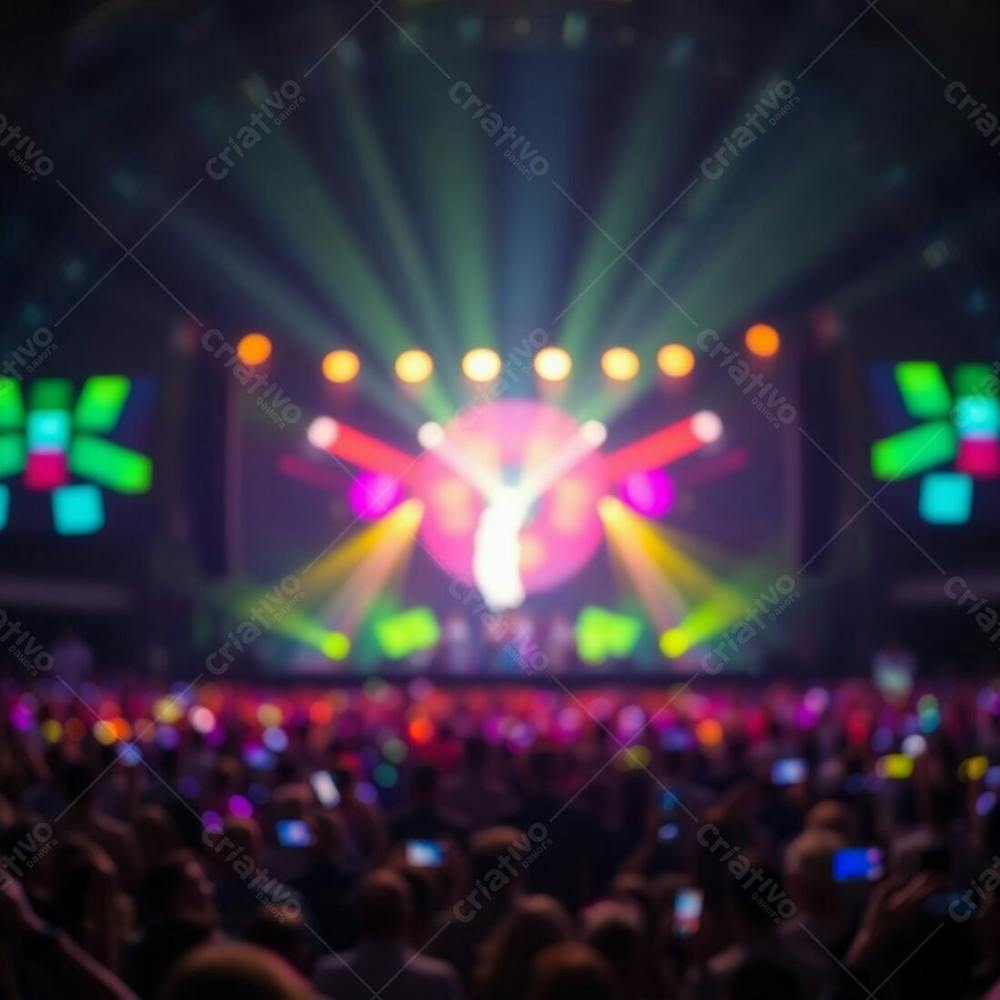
(383, 962)
(572, 971)
(533, 924)
(234, 969)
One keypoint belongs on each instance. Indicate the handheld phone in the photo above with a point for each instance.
(789, 771)
(325, 788)
(259, 758)
(668, 832)
(293, 833)
(425, 853)
(688, 905)
(896, 766)
(858, 864)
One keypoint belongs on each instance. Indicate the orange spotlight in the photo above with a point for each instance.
(675, 360)
(553, 364)
(414, 367)
(254, 349)
(762, 340)
(481, 365)
(620, 364)
(341, 366)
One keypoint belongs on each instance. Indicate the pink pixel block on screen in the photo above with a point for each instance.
(46, 470)
(979, 457)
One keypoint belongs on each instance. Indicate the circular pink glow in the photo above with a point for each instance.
(373, 494)
(509, 440)
(650, 493)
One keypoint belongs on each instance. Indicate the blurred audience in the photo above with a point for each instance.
(769, 842)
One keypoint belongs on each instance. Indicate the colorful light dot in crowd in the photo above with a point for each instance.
(320, 713)
(240, 807)
(414, 367)
(481, 365)
(120, 728)
(420, 729)
(914, 745)
(275, 739)
(130, 755)
(675, 360)
(929, 716)
(254, 349)
(985, 803)
(762, 340)
(974, 768)
(569, 722)
(21, 717)
(631, 719)
(620, 364)
(367, 793)
(211, 820)
(51, 730)
(167, 737)
(816, 700)
(167, 710)
(202, 719)
(341, 366)
(651, 493)
(269, 714)
(633, 759)
(709, 732)
(103, 732)
(395, 750)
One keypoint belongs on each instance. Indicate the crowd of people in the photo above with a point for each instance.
(761, 840)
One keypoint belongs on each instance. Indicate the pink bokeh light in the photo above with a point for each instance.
(650, 492)
(373, 494)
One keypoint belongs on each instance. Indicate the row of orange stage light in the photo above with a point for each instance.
(482, 364)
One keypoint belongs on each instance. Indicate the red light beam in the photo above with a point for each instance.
(363, 450)
(655, 450)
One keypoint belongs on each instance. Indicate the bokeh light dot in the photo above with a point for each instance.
(414, 367)
(706, 426)
(275, 739)
(322, 432)
(674, 642)
(620, 364)
(675, 360)
(341, 366)
(651, 493)
(373, 494)
(762, 340)
(254, 349)
(336, 645)
(553, 364)
(481, 365)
